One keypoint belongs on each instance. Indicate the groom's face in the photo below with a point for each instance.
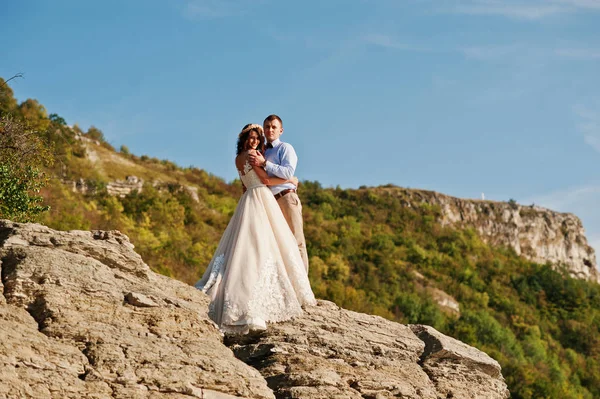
(272, 130)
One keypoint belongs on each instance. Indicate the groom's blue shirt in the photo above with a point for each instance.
(281, 162)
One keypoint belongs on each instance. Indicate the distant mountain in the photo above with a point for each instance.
(536, 233)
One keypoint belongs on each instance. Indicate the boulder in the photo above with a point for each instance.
(82, 316)
(68, 329)
(330, 352)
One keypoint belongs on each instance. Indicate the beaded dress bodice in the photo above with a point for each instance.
(249, 177)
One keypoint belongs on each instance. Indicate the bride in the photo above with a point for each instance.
(256, 274)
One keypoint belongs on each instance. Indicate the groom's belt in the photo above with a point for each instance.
(284, 192)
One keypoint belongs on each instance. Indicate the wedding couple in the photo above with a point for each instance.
(259, 272)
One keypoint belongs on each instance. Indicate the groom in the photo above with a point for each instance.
(281, 161)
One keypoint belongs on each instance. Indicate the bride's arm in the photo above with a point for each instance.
(273, 181)
(270, 180)
(239, 165)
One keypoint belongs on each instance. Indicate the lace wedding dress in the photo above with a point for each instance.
(256, 274)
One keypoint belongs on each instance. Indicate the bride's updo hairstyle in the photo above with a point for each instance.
(245, 133)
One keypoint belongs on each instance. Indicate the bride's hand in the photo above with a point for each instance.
(294, 180)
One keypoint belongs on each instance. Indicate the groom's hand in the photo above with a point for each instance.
(257, 159)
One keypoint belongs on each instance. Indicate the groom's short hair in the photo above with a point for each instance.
(271, 117)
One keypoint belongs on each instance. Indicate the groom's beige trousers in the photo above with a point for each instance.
(292, 211)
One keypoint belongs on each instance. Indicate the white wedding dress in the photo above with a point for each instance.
(256, 274)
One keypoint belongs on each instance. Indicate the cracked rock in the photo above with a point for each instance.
(140, 300)
(457, 369)
(329, 352)
(82, 316)
(66, 332)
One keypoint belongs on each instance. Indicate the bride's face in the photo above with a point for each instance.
(253, 141)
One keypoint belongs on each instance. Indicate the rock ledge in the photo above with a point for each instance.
(82, 316)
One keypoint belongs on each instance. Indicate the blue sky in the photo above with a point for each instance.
(458, 96)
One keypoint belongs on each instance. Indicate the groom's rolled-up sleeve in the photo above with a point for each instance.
(287, 168)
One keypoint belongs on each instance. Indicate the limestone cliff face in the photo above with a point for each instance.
(539, 234)
(82, 316)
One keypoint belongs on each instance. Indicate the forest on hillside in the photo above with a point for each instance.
(368, 252)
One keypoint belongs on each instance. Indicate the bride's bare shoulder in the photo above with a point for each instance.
(240, 160)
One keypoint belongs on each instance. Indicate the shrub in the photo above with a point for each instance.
(23, 154)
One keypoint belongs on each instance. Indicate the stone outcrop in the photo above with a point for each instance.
(122, 188)
(537, 233)
(329, 352)
(79, 186)
(81, 137)
(82, 316)
(446, 302)
(192, 192)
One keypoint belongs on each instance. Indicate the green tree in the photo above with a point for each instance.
(34, 114)
(8, 103)
(23, 153)
(58, 119)
(95, 134)
(18, 189)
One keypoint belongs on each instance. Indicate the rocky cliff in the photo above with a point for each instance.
(82, 316)
(537, 233)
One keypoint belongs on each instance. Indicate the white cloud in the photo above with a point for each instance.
(594, 141)
(481, 53)
(207, 9)
(589, 4)
(211, 9)
(529, 51)
(522, 54)
(564, 200)
(490, 53)
(579, 53)
(589, 125)
(520, 9)
(390, 42)
(381, 40)
(511, 10)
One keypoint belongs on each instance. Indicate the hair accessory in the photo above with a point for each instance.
(252, 127)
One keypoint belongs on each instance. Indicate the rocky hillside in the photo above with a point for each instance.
(539, 234)
(82, 316)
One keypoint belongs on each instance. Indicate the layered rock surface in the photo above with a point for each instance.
(329, 352)
(82, 316)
